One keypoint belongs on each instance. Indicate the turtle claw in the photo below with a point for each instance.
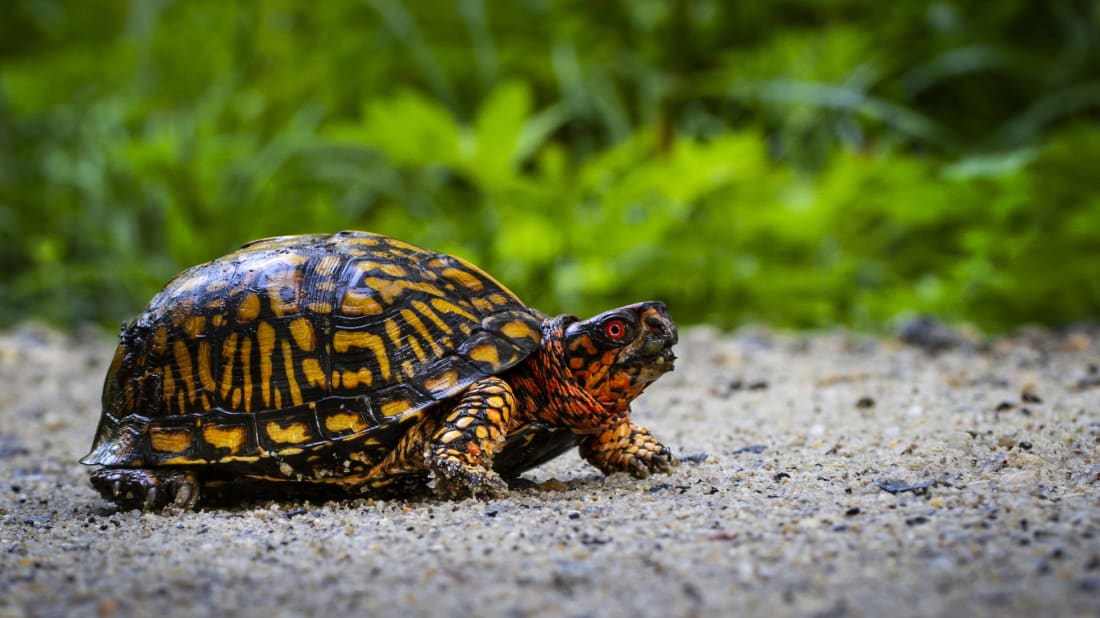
(150, 498)
(637, 469)
(149, 489)
(655, 457)
(186, 496)
(454, 480)
(628, 448)
(642, 463)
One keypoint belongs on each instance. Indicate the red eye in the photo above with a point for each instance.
(615, 329)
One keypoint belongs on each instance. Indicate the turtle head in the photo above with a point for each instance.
(618, 353)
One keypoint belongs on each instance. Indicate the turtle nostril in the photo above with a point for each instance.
(665, 329)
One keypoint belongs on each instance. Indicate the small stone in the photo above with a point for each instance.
(895, 486)
(1089, 584)
(1077, 342)
(755, 449)
(929, 334)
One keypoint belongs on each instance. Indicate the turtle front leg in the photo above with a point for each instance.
(458, 449)
(149, 489)
(627, 448)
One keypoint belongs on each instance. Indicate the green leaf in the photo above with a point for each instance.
(497, 130)
(409, 129)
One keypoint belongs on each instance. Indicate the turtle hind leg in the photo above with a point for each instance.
(149, 489)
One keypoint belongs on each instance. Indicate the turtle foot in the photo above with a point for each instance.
(149, 489)
(453, 480)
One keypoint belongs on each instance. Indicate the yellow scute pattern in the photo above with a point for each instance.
(169, 440)
(231, 438)
(294, 433)
(344, 421)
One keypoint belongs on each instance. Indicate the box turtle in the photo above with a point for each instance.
(359, 362)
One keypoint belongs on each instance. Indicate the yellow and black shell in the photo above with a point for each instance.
(307, 353)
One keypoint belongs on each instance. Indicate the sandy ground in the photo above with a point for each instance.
(834, 476)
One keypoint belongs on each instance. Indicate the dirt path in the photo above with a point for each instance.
(842, 477)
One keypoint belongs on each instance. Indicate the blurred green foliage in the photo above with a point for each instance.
(801, 163)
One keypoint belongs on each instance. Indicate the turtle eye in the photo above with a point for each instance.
(616, 329)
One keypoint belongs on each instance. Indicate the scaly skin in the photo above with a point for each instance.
(627, 448)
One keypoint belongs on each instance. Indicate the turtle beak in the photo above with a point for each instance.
(658, 337)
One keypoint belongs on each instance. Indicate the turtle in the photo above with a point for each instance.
(364, 364)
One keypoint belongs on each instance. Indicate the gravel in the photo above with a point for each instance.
(824, 475)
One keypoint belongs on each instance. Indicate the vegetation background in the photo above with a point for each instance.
(801, 163)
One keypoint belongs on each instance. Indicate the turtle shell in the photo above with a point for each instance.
(322, 349)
